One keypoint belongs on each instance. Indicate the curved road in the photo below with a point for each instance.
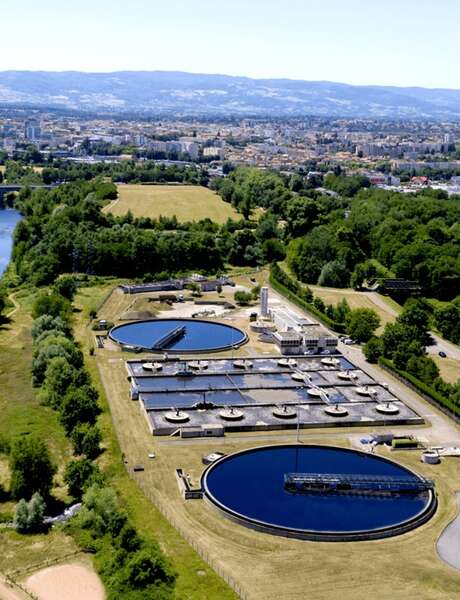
(440, 344)
(448, 545)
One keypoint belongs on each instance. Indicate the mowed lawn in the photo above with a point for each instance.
(187, 202)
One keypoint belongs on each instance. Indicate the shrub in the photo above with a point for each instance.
(28, 516)
(242, 298)
(334, 274)
(48, 323)
(52, 304)
(373, 350)
(79, 475)
(362, 323)
(79, 406)
(66, 286)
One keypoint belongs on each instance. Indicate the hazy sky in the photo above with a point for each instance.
(400, 42)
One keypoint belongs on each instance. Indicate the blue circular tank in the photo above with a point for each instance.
(178, 335)
(255, 488)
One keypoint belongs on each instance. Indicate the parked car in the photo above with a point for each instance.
(442, 354)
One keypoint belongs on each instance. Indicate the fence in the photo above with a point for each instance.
(384, 364)
(11, 577)
(216, 566)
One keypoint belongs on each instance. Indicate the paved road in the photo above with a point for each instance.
(440, 344)
(443, 431)
(452, 350)
(448, 545)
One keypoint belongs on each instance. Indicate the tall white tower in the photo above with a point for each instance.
(264, 302)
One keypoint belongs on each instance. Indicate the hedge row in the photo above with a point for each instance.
(423, 388)
(308, 306)
(404, 443)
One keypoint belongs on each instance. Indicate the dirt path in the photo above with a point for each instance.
(16, 305)
(376, 299)
(66, 582)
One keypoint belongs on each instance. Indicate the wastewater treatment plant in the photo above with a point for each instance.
(245, 444)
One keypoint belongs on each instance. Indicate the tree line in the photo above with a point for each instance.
(125, 171)
(129, 565)
(64, 230)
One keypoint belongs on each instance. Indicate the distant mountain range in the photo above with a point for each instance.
(165, 92)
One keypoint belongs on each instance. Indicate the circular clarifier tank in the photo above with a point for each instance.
(178, 335)
(255, 488)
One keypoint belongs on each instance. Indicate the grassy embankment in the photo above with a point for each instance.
(22, 414)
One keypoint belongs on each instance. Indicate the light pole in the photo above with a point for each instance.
(298, 426)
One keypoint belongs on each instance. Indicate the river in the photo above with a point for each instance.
(8, 220)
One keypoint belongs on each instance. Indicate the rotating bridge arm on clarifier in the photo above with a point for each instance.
(171, 336)
(343, 483)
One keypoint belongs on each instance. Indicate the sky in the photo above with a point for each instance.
(383, 42)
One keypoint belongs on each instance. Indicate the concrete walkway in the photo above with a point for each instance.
(448, 545)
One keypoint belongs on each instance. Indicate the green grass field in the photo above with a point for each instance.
(355, 300)
(22, 414)
(187, 202)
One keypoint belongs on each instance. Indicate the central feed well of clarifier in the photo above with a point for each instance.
(248, 487)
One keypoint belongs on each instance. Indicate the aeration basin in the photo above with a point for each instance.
(178, 335)
(249, 487)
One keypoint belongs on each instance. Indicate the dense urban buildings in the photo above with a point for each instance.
(390, 153)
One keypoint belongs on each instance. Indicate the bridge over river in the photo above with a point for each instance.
(13, 187)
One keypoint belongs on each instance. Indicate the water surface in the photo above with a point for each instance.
(8, 220)
(252, 484)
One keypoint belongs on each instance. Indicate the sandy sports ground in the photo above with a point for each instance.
(9, 593)
(66, 582)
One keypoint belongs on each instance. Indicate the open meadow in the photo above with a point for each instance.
(187, 202)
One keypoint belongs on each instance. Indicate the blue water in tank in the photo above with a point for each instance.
(252, 484)
(200, 336)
